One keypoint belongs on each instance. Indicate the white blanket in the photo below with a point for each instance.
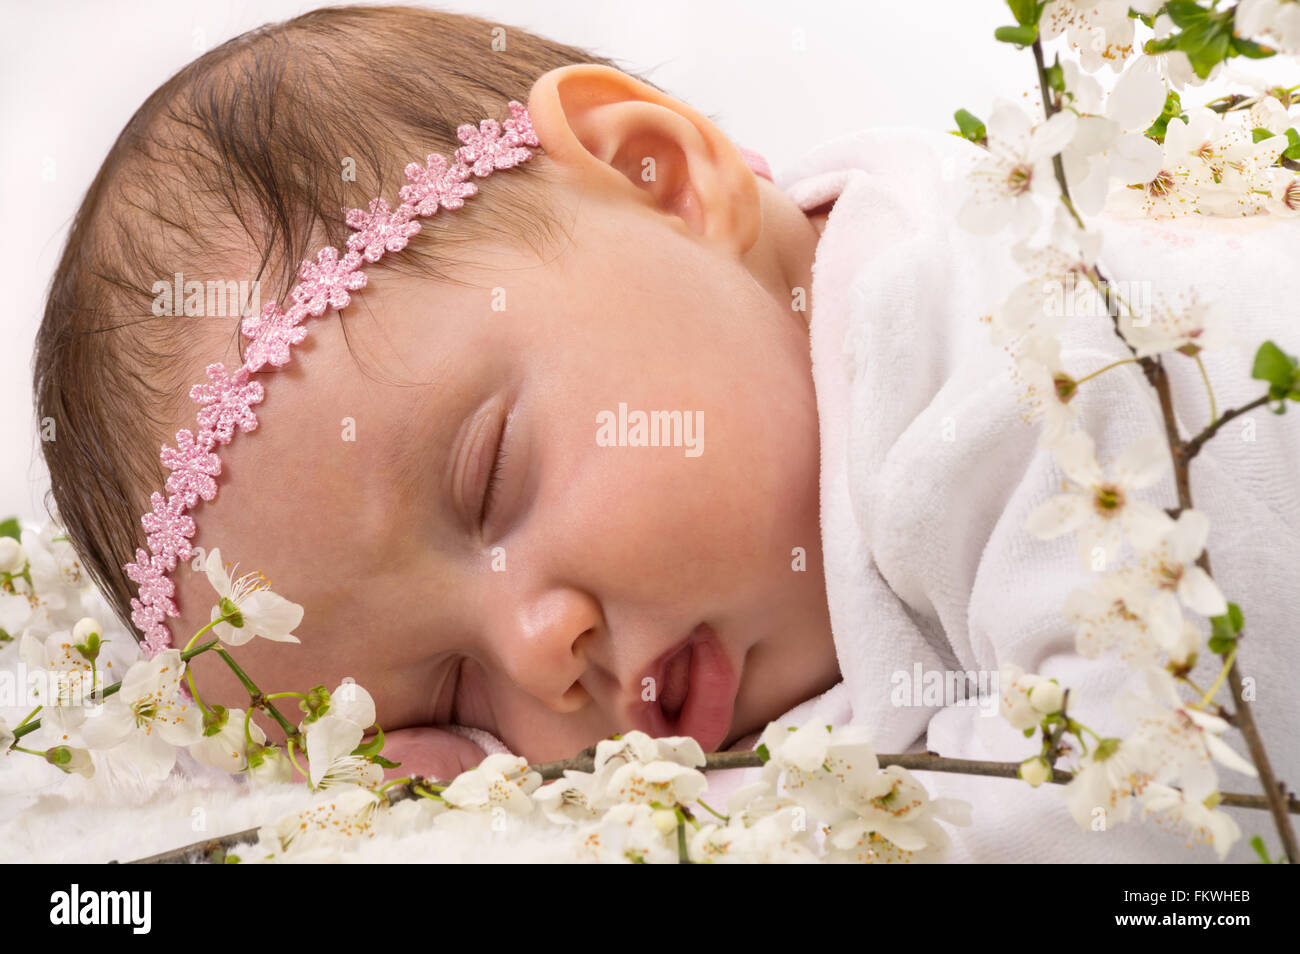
(928, 476)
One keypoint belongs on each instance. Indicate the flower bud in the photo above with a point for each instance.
(316, 704)
(71, 760)
(1046, 697)
(85, 627)
(12, 559)
(1035, 771)
(665, 820)
(267, 765)
(214, 720)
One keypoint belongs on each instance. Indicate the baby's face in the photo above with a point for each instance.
(540, 614)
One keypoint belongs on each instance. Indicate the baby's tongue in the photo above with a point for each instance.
(677, 681)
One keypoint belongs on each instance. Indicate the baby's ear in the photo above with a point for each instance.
(433, 753)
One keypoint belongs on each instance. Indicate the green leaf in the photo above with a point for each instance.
(1259, 134)
(1225, 629)
(1173, 108)
(1292, 151)
(1026, 12)
(763, 753)
(1258, 844)
(1251, 49)
(1163, 45)
(1186, 13)
(1056, 76)
(1278, 368)
(971, 126)
(10, 528)
(1221, 644)
(383, 762)
(1206, 42)
(373, 747)
(1019, 35)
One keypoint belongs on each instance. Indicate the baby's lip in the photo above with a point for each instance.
(709, 697)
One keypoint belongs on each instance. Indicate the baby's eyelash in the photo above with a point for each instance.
(493, 480)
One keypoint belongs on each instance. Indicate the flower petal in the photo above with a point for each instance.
(1061, 514)
(1200, 593)
(1138, 98)
(217, 574)
(1143, 462)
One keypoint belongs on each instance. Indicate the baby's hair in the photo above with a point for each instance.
(234, 168)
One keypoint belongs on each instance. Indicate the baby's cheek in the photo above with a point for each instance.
(433, 753)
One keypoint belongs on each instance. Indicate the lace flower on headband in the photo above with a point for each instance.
(226, 401)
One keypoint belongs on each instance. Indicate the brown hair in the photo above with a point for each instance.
(235, 165)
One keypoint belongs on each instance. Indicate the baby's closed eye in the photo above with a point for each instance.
(432, 753)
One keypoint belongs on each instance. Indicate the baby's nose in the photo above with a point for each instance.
(546, 643)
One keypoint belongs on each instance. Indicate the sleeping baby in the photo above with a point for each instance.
(634, 437)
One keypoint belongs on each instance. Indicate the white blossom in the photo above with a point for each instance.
(1181, 741)
(1014, 687)
(1190, 818)
(1273, 22)
(67, 688)
(811, 762)
(227, 747)
(1112, 613)
(891, 804)
(1103, 509)
(569, 800)
(500, 781)
(1171, 571)
(260, 612)
(1188, 324)
(333, 738)
(668, 783)
(1099, 30)
(146, 721)
(1016, 172)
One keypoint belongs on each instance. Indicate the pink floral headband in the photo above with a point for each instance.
(226, 401)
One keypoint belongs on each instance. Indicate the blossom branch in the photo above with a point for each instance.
(256, 698)
(1192, 448)
(1182, 453)
(213, 850)
(25, 727)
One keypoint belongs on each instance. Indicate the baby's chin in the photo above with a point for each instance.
(432, 753)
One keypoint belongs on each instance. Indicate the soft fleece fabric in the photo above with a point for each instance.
(928, 476)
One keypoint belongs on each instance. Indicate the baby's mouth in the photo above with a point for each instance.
(677, 681)
(695, 692)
